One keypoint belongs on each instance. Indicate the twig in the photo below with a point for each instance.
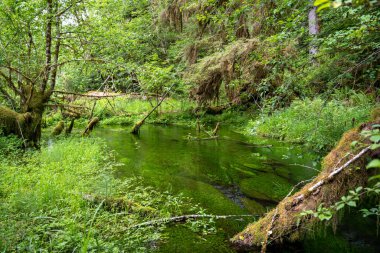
(305, 166)
(183, 218)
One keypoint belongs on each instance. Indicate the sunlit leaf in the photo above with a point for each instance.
(374, 164)
(323, 6)
(320, 2)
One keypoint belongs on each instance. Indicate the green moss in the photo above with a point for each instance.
(58, 128)
(253, 206)
(265, 186)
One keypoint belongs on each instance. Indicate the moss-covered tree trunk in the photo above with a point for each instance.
(26, 121)
(343, 169)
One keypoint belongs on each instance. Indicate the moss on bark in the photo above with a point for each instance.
(284, 222)
(58, 128)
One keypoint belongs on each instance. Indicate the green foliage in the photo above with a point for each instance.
(42, 207)
(353, 196)
(317, 123)
(9, 146)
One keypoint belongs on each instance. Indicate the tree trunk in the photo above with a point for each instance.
(27, 123)
(313, 29)
(340, 174)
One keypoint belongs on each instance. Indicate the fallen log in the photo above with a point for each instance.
(339, 174)
(136, 127)
(91, 125)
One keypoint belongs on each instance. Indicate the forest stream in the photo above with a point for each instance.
(225, 176)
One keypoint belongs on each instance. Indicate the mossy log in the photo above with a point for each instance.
(136, 128)
(215, 110)
(58, 128)
(12, 122)
(339, 174)
(94, 121)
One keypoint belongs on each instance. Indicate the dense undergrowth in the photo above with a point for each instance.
(317, 123)
(64, 198)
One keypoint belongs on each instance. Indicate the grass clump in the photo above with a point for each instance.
(316, 123)
(43, 208)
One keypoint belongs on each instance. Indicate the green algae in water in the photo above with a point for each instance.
(164, 159)
(265, 186)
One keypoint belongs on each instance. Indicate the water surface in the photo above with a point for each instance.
(229, 175)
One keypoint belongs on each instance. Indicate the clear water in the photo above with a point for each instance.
(225, 176)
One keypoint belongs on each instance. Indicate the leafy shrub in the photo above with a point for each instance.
(316, 123)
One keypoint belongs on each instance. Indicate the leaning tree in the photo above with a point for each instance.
(35, 38)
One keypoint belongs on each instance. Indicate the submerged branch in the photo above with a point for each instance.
(183, 218)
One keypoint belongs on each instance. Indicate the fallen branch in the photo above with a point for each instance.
(191, 138)
(183, 218)
(88, 95)
(91, 126)
(66, 105)
(332, 174)
(136, 127)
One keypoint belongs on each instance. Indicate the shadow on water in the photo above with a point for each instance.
(225, 176)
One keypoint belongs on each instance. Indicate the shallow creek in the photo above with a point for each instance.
(231, 175)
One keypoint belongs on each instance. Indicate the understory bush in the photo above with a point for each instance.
(316, 123)
(64, 198)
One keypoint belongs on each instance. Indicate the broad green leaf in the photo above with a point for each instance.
(374, 178)
(320, 2)
(323, 6)
(374, 164)
(374, 146)
(340, 206)
(375, 138)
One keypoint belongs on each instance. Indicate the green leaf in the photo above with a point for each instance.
(374, 164)
(339, 206)
(320, 2)
(351, 203)
(375, 138)
(323, 6)
(374, 177)
(354, 143)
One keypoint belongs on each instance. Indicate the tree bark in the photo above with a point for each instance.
(340, 174)
(313, 29)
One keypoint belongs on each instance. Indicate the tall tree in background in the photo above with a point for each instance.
(31, 43)
(313, 28)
